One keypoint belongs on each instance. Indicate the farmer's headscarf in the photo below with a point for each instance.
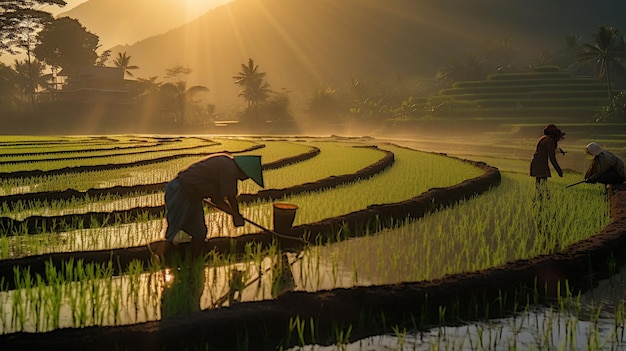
(251, 166)
(593, 148)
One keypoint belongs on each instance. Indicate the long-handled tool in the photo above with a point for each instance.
(258, 225)
(582, 181)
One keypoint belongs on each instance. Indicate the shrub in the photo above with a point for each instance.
(614, 111)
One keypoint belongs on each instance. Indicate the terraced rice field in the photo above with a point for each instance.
(81, 250)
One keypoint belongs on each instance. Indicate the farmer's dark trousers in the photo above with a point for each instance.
(183, 212)
(610, 177)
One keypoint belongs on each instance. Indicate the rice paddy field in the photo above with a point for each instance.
(66, 198)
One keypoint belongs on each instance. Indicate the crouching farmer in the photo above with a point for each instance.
(213, 178)
(605, 168)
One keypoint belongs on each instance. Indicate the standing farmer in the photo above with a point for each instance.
(214, 177)
(605, 168)
(546, 150)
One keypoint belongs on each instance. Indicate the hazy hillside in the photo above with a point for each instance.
(301, 43)
(120, 22)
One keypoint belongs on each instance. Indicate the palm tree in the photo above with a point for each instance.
(31, 77)
(255, 89)
(123, 61)
(606, 51)
(182, 96)
(8, 88)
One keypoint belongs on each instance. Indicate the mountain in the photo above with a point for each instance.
(301, 44)
(119, 22)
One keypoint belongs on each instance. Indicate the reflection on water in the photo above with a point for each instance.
(593, 321)
(538, 330)
(184, 284)
(86, 295)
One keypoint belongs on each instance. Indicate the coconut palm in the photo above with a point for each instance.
(123, 61)
(607, 50)
(32, 75)
(31, 78)
(8, 88)
(182, 96)
(255, 89)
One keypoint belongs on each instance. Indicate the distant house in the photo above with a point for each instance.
(93, 85)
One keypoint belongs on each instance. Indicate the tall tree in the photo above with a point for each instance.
(66, 43)
(255, 89)
(20, 20)
(607, 51)
(123, 61)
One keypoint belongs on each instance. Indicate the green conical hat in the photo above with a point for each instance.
(251, 166)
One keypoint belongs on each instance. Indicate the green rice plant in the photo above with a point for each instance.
(440, 241)
(342, 337)
(108, 152)
(54, 296)
(125, 176)
(103, 203)
(400, 335)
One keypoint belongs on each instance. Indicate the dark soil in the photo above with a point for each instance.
(264, 325)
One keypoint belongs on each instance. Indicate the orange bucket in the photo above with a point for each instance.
(284, 215)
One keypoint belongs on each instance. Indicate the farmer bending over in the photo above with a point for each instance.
(605, 168)
(214, 177)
